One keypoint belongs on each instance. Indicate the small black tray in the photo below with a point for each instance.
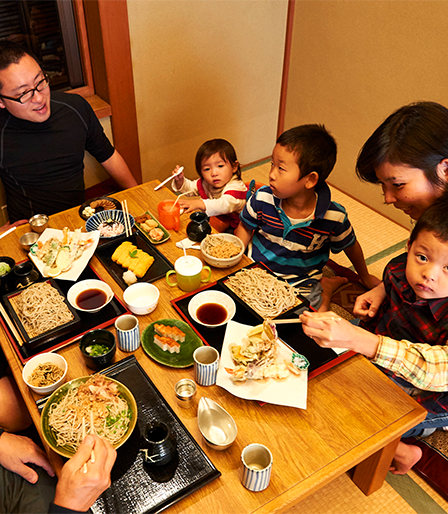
(101, 319)
(292, 334)
(50, 335)
(137, 488)
(157, 270)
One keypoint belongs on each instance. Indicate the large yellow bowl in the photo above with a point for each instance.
(57, 396)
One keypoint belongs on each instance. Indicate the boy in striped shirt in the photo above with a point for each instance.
(292, 224)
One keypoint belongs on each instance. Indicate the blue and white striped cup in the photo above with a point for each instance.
(257, 467)
(206, 364)
(128, 332)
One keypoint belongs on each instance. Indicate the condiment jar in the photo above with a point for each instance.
(199, 227)
(160, 444)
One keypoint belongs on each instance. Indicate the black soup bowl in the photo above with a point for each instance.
(90, 346)
(7, 280)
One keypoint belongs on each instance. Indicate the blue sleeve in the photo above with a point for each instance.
(56, 509)
(342, 236)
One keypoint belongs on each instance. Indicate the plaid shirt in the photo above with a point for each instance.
(424, 363)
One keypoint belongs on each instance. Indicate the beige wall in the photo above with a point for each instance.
(205, 69)
(355, 62)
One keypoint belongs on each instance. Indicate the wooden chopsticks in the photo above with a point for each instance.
(297, 320)
(10, 325)
(127, 223)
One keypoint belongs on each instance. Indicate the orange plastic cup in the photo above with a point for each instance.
(169, 216)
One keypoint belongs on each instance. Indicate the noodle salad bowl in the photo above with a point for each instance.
(76, 434)
(209, 244)
(39, 360)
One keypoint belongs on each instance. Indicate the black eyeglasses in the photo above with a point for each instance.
(27, 95)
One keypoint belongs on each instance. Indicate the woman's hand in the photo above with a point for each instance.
(191, 204)
(329, 331)
(367, 304)
(78, 490)
(179, 180)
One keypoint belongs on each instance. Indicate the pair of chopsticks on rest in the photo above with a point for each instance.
(127, 223)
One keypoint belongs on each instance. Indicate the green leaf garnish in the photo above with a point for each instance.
(133, 254)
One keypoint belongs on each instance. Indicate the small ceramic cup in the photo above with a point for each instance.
(188, 270)
(206, 365)
(128, 332)
(185, 391)
(256, 467)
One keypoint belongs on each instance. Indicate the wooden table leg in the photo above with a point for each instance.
(369, 474)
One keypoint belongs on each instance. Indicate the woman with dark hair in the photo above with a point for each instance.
(408, 155)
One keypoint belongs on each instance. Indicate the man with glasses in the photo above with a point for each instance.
(43, 137)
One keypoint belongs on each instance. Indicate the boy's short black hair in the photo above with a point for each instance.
(434, 219)
(314, 147)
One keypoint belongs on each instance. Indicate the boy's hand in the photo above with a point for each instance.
(367, 304)
(370, 281)
(179, 180)
(191, 204)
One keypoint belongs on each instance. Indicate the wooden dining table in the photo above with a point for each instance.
(353, 421)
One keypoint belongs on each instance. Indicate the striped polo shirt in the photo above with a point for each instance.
(296, 252)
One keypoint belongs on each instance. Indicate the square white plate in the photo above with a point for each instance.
(291, 391)
(79, 265)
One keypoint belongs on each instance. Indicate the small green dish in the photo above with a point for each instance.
(184, 358)
(57, 396)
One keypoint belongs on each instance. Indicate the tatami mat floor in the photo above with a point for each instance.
(381, 240)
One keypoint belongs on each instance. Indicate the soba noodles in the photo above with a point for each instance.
(220, 247)
(42, 308)
(265, 293)
(111, 413)
(45, 375)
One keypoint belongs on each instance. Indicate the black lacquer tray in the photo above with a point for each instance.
(104, 318)
(34, 341)
(157, 270)
(137, 488)
(292, 334)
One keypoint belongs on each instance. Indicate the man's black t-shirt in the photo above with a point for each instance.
(42, 164)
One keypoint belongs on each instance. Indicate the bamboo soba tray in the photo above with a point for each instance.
(31, 336)
(102, 319)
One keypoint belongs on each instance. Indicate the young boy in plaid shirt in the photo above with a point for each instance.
(416, 309)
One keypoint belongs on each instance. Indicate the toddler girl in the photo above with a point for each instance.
(221, 191)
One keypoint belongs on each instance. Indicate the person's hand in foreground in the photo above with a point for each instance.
(331, 331)
(17, 451)
(367, 304)
(8, 225)
(77, 490)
